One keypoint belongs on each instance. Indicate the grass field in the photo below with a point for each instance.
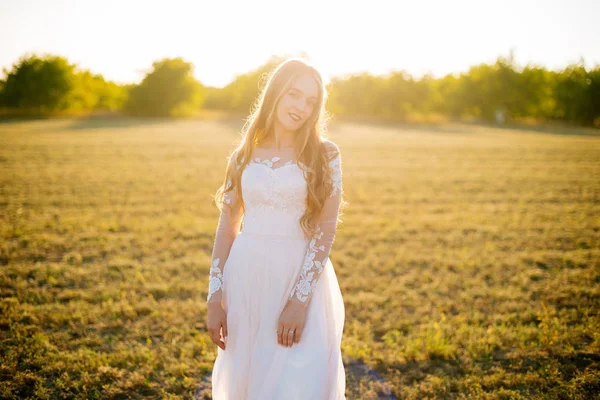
(469, 259)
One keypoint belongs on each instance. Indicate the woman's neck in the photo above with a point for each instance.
(282, 138)
(269, 145)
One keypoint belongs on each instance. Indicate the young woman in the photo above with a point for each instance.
(275, 308)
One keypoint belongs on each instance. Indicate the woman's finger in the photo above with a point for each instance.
(213, 337)
(285, 335)
(280, 334)
(297, 335)
(290, 336)
(224, 328)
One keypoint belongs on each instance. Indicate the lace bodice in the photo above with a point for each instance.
(274, 191)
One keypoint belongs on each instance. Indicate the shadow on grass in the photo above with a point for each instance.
(475, 127)
(236, 121)
(358, 372)
(113, 122)
(98, 122)
(56, 124)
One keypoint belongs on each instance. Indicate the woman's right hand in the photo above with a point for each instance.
(217, 319)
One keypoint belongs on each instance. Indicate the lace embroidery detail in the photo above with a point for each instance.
(323, 238)
(336, 175)
(227, 196)
(216, 282)
(307, 280)
(269, 162)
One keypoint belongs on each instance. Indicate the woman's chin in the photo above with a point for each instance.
(292, 127)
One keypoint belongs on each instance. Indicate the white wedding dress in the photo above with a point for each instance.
(256, 270)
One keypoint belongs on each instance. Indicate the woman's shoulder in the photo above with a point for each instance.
(331, 147)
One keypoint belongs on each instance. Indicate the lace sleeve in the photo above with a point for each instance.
(227, 230)
(320, 245)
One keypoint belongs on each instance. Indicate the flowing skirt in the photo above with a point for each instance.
(259, 275)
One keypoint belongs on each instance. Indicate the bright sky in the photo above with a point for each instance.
(223, 38)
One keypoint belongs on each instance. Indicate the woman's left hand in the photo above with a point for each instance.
(292, 321)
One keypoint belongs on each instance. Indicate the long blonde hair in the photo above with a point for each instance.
(308, 141)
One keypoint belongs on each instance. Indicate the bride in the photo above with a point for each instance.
(275, 309)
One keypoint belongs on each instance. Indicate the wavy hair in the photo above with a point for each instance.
(309, 141)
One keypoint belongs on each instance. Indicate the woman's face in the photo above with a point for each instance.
(298, 103)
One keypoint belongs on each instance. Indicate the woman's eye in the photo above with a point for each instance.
(294, 94)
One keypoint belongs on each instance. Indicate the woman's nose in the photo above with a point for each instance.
(303, 105)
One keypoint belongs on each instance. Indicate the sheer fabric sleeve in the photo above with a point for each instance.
(320, 244)
(228, 228)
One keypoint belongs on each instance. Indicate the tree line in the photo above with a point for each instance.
(50, 84)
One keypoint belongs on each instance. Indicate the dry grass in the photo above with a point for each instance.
(468, 258)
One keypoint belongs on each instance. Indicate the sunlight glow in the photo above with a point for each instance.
(224, 38)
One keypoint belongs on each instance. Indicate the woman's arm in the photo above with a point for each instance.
(321, 243)
(227, 230)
